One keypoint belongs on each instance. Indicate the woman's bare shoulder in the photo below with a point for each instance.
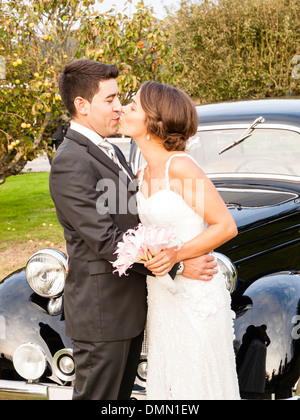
(184, 166)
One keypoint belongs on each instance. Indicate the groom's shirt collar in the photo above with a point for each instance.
(90, 134)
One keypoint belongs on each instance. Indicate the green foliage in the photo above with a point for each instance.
(38, 38)
(214, 50)
(237, 49)
(138, 45)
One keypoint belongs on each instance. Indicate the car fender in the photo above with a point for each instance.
(274, 301)
(24, 318)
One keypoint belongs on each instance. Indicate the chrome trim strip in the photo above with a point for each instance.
(21, 390)
(258, 190)
(245, 125)
(254, 176)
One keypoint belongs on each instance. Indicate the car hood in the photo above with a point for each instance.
(267, 215)
(253, 208)
(253, 203)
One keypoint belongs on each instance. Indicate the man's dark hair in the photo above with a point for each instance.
(81, 78)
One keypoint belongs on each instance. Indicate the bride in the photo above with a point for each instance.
(190, 323)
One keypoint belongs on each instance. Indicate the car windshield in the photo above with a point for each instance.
(266, 151)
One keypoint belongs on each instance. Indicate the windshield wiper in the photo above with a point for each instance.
(245, 135)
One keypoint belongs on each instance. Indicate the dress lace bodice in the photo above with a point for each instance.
(166, 207)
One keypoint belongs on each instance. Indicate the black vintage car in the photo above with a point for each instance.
(251, 151)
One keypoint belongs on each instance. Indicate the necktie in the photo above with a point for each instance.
(111, 153)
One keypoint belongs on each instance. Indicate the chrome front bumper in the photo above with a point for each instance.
(21, 390)
(13, 390)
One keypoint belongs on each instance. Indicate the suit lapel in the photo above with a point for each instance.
(99, 155)
(93, 150)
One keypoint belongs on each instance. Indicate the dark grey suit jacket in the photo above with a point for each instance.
(99, 306)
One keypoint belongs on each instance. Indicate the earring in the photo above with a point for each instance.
(148, 137)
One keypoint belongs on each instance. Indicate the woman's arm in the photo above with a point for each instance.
(201, 195)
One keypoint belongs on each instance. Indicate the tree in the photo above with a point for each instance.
(237, 49)
(37, 39)
(138, 45)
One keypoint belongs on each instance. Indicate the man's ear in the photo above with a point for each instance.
(81, 105)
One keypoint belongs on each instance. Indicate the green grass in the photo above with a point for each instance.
(27, 212)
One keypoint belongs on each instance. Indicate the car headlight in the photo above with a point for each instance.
(228, 269)
(63, 365)
(46, 272)
(30, 361)
(142, 370)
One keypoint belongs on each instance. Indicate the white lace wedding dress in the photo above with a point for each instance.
(190, 323)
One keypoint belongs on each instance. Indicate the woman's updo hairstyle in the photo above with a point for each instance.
(170, 114)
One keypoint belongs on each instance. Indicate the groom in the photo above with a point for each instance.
(105, 314)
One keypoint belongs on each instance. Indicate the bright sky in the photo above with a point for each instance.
(158, 5)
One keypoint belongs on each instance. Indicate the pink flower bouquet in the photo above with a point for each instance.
(142, 244)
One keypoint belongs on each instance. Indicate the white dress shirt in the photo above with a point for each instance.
(90, 134)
